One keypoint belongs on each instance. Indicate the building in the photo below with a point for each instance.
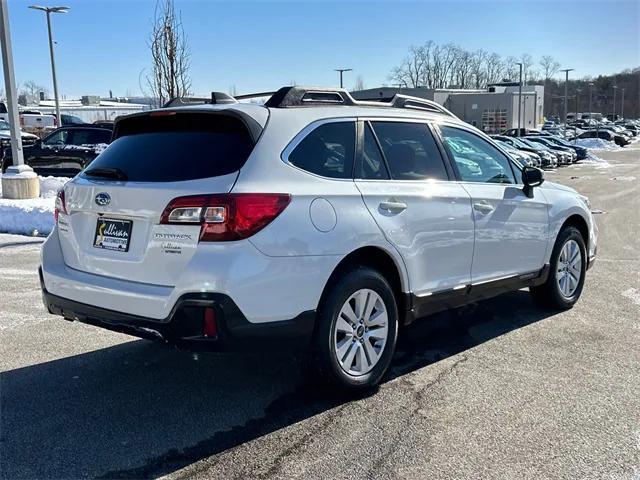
(492, 110)
(89, 109)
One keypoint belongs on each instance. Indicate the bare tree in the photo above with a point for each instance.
(412, 70)
(359, 83)
(494, 68)
(33, 89)
(549, 66)
(170, 54)
(527, 63)
(510, 68)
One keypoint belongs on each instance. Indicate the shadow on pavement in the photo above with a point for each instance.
(140, 409)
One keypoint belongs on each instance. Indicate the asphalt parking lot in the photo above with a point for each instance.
(500, 389)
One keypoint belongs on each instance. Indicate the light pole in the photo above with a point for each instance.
(622, 105)
(19, 181)
(590, 99)
(615, 89)
(578, 102)
(566, 82)
(341, 71)
(49, 11)
(519, 97)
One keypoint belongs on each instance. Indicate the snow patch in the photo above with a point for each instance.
(597, 144)
(33, 216)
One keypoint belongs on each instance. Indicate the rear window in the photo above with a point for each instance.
(177, 147)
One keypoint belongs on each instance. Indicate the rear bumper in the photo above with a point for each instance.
(184, 325)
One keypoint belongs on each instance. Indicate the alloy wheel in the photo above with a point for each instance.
(569, 268)
(361, 332)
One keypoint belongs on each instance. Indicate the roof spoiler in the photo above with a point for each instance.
(215, 99)
(312, 96)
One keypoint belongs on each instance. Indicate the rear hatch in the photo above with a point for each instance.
(109, 221)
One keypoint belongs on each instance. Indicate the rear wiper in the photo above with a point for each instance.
(106, 172)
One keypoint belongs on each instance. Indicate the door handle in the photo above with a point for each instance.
(483, 207)
(393, 207)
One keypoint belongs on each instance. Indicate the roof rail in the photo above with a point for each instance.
(214, 99)
(312, 96)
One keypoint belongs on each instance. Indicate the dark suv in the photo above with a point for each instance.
(64, 152)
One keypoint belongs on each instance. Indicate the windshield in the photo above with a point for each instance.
(533, 145)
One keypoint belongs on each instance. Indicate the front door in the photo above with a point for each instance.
(511, 228)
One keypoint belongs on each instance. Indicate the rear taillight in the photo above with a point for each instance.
(226, 217)
(60, 206)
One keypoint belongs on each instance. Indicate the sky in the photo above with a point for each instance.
(260, 46)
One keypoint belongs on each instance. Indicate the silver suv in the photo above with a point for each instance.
(313, 221)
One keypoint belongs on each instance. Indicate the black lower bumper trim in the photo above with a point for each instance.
(183, 326)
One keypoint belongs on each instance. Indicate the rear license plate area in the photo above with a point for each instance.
(113, 234)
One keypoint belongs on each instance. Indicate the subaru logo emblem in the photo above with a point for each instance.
(103, 199)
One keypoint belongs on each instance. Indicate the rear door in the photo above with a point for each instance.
(406, 187)
(511, 229)
(112, 226)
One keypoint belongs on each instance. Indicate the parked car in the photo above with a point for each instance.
(581, 152)
(5, 136)
(31, 121)
(525, 158)
(282, 227)
(605, 135)
(104, 124)
(71, 120)
(64, 152)
(566, 156)
(513, 132)
(548, 158)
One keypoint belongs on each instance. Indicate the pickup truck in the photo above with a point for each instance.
(28, 139)
(32, 121)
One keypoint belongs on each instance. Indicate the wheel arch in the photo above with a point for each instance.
(576, 220)
(380, 260)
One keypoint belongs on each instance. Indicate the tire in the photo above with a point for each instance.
(354, 353)
(562, 289)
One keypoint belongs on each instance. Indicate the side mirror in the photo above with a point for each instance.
(531, 177)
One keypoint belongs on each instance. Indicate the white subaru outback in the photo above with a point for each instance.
(314, 221)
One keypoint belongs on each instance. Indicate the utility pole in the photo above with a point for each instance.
(19, 181)
(519, 98)
(566, 83)
(341, 71)
(590, 99)
(49, 11)
(615, 89)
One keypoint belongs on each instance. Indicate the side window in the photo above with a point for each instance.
(328, 150)
(57, 138)
(372, 165)
(477, 160)
(410, 151)
(88, 137)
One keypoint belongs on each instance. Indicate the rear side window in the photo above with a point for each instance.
(327, 151)
(410, 151)
(177, 147)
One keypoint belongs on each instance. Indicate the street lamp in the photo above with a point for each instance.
(341, 71)
(566, 82)
(622, 105)
(49, 11)
(519, 97)
(615, 89)
(590, 98)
